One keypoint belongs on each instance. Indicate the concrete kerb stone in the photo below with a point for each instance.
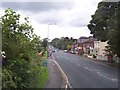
(65, 83)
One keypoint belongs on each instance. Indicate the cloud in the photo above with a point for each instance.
(71, 17)
(78, 23)
(63, 13)
(111, 0)
(36, 7)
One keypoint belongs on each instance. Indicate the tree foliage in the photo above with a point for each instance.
(20, 44)
(45, 42)
(63, 43)
(104, 24)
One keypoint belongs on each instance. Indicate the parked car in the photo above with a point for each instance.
(65, 51)
(53, 50)
(73, 52)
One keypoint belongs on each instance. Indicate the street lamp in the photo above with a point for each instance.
(49, 29)
(48, 37)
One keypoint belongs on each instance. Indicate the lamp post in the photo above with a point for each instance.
(49, 30)
(48, 36)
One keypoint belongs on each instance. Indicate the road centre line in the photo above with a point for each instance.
(100, 74)
(97, 71)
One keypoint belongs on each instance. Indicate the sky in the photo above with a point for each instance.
(58, 19)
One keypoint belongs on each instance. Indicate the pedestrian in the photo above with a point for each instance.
(40, 53)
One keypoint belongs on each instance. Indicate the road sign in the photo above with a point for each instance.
(45, 63)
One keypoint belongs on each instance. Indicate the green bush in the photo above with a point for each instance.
(20, 68)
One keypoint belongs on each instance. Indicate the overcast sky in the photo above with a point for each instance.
(71, 18)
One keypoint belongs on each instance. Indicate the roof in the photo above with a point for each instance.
(81, 40)
(86, 40)
(90, 40)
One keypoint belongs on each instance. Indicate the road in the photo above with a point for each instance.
(86, 73)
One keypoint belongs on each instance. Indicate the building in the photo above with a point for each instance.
(80, 46)
(88, 46)
(99, 50)
(84, 45)
(91, 47)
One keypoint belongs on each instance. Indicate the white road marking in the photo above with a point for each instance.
(96, 70)
(88, 69)
(100, 74)
(113, 79)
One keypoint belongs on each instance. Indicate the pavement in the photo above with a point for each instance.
(54, 76)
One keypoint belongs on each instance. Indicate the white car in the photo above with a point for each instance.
(65, 51)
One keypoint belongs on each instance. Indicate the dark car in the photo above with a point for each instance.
(53, 50)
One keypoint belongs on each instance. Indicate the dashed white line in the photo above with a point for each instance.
(100, 74)
(88, 69)
(113, 79)
(96, 70)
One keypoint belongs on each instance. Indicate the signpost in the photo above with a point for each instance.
(45, 65)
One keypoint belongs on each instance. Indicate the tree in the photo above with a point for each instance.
(63, 43)
(66, 39)
(104, 24)
(20, 46)
(44, 43)
(69, 47)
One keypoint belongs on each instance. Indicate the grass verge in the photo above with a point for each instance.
(44, 72)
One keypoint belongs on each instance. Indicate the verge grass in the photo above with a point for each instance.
(44, 72)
